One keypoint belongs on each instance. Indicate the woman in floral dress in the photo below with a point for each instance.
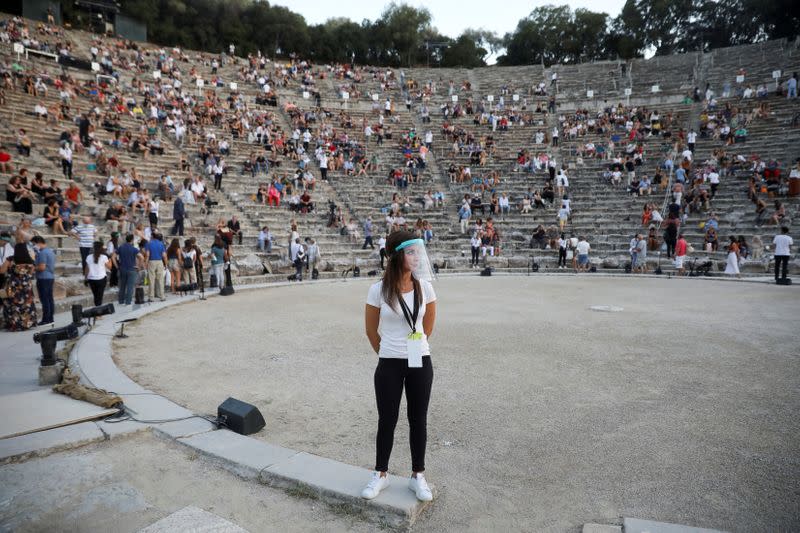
(19, 311)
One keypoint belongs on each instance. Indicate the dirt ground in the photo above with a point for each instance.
(545, 415)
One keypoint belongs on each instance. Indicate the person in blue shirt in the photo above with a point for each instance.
(45, 278)
(156, 265)
(126, 258)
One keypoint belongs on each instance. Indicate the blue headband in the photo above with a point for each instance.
(406, 244)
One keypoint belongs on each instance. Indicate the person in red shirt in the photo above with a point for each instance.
(74, 195)
(680, 254)
(6, 167)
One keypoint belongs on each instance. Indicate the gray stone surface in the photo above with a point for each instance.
(193, 520)
(601, 528)
(242, 455)
(635, 525)
(342, 483)
(184, 428)
(51, 374)
(45, 442)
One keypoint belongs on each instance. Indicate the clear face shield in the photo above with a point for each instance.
(417, 260)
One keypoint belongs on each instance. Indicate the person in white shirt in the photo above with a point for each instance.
(97, 266)
(691, 138)
(296, 256)
(583, 249)
(783, 250)
(40, 111)
(66, 159)
(475, 248)
(713, 179)
(399, 318)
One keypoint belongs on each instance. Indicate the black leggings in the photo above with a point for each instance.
(781, 266)
(670, 246)
(390, 377)
(98, 287)
(476, 250)
(562, 256)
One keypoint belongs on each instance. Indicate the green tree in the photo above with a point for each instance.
(405, 30)
(464, 52)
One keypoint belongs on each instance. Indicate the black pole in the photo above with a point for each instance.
(48, 342)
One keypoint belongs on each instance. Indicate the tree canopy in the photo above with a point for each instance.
(404, 35)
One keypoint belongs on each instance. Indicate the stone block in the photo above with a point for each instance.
(635, 525)
(46, 442)
(193, 519)
(244, 456)
(51, 374)
(601, 528)
(341, 484)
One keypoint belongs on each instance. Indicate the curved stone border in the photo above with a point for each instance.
(330, 481)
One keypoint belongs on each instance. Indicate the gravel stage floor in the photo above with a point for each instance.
(545, 415)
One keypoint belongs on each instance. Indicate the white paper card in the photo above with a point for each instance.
(414, 352)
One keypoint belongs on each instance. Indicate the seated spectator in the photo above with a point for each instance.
(23, 143)
(265, 240)
(779, 214)
(710, 241)
(20, 197)
(6, 166)
(235, 227)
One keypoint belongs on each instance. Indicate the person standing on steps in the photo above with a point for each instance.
(783, 244)
(382, 249)
(399, 318)
(368, 234)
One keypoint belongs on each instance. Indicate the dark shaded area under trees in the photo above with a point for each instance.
(404, 35)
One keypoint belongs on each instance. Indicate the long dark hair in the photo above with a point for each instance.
(98, 250)
(394, 269)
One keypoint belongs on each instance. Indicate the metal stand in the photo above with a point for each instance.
(121, 334)
(227, 290)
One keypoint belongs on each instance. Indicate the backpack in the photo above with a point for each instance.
(187, 262)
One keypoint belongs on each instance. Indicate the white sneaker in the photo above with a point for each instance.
(375, 486)
(420, 487)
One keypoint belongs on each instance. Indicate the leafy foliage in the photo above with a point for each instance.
(404, 35)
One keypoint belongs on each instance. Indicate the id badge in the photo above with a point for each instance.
(414, 345)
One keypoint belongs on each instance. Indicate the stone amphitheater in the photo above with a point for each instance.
(632, 463)
(606, 216)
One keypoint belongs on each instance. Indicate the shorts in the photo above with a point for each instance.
(679, 261)
(173, 264)
(583, 259)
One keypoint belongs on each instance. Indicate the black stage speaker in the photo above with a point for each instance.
(240, 417)
(486, 271)
(784, 281)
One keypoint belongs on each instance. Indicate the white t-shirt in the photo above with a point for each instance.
(583, 248)
(393, 327)
(96, 270)
(782, 244)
